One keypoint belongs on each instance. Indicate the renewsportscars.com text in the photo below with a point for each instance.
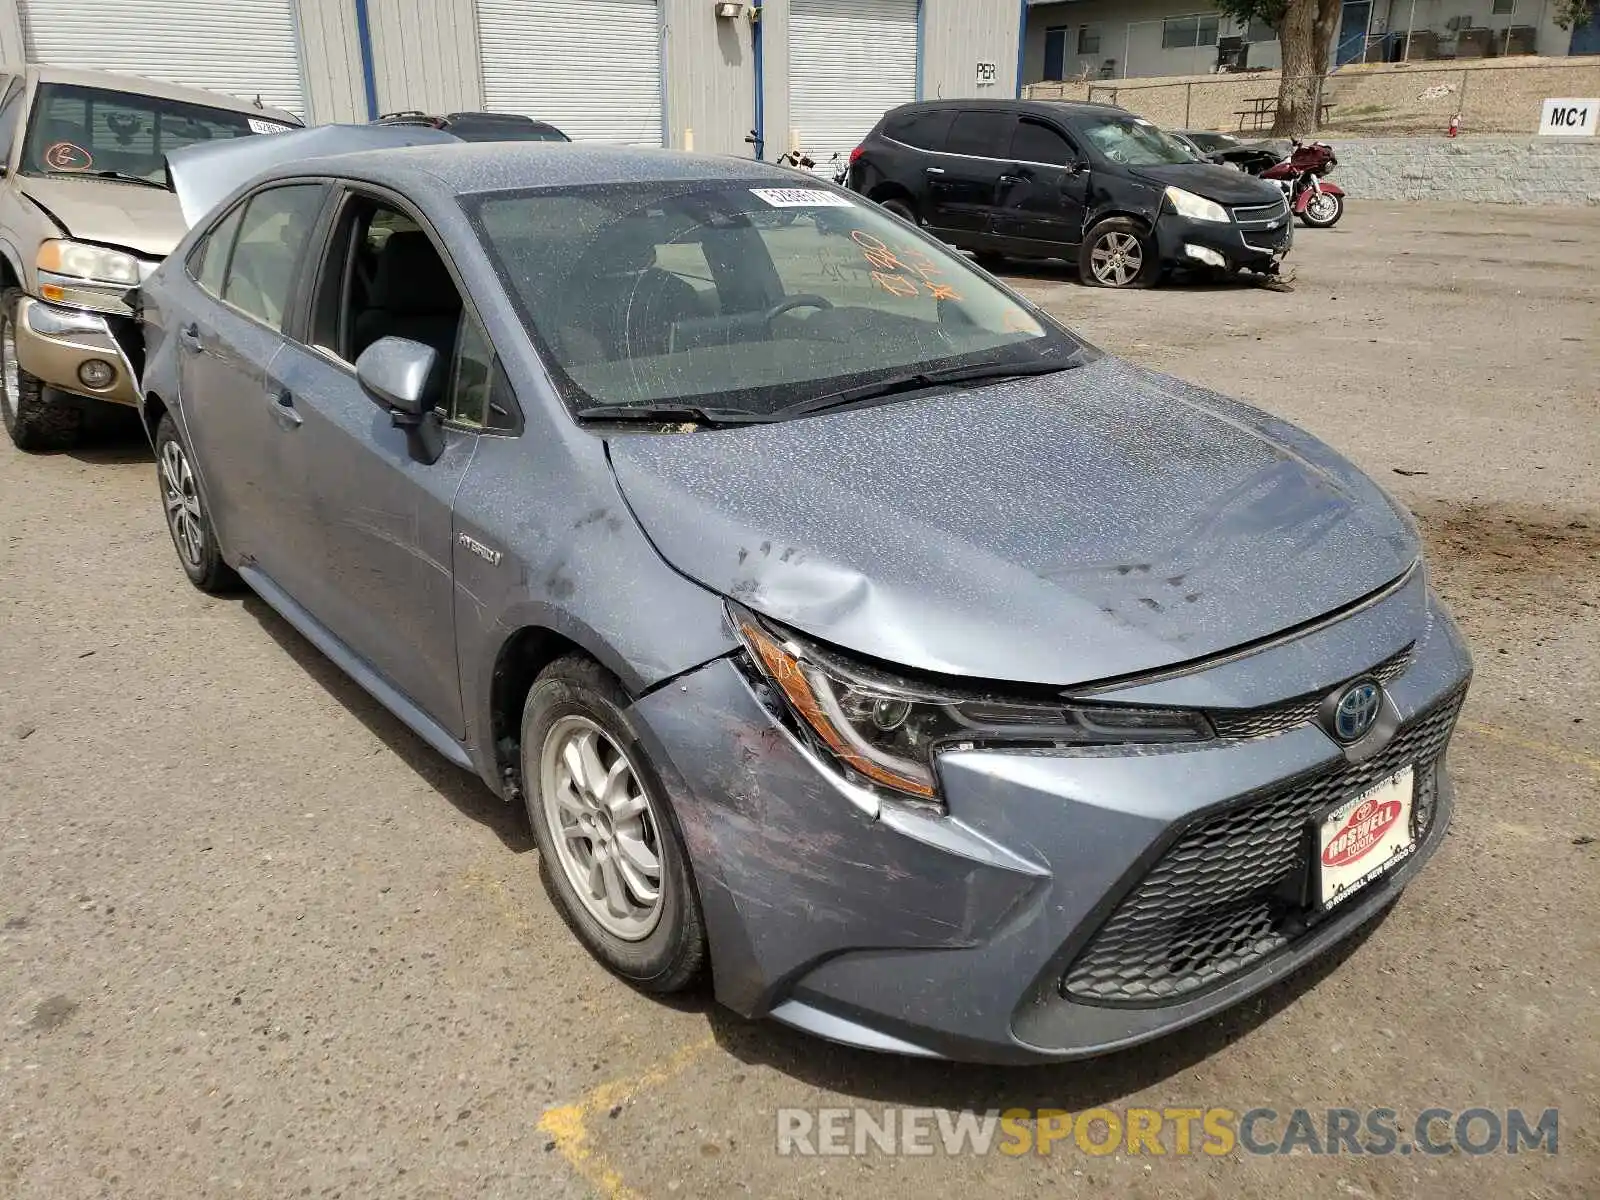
(1160, 1132)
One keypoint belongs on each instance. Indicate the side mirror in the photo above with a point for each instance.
(397, 375)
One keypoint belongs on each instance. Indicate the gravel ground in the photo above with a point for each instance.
(256, 940)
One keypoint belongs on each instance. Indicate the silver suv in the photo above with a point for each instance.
(85, 216)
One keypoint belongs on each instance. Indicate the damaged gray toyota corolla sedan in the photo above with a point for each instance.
(848, 627)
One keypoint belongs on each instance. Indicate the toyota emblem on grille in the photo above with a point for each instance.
(1355, 710)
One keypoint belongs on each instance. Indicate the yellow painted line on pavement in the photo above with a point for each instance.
(1548, 749)
(568, 1125)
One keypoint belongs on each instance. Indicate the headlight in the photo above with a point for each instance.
(93, 263)
(1198, 208)
(885, 730)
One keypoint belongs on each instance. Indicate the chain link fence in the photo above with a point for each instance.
(1364, 100)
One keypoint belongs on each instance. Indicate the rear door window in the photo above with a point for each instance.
(212, 261)
(926, 130)
(981, 134)
(273, 235)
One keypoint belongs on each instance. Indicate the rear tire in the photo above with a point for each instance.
(1118, 253)
(34, 422)
(899, 208)
(598, 837)
(187, 519)
(1323, 211)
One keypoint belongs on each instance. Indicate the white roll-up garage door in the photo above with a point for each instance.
(850, 61)
(592, 68)
(245, 48)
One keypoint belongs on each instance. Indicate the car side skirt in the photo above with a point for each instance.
(353, 665)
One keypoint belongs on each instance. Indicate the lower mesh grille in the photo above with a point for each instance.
(1226, 894)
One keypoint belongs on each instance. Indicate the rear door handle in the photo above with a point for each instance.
(935, 170)
(189, 337)
(283, 410)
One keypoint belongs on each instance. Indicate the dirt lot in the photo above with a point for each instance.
(258, 941)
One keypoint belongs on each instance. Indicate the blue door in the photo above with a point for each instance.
(1352, 44)
(1586, 37)
(1055, 53)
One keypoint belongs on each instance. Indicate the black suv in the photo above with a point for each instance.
(1089, 182)
(481, 126)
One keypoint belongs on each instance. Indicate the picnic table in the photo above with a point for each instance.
(1262, 110)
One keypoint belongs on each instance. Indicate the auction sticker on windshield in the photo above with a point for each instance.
(801, 198)
(1363, 837)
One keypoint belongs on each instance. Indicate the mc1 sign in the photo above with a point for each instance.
(1569, 118)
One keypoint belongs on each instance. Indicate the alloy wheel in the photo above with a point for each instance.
(1117, 259)
(181, 499)
(603, 826)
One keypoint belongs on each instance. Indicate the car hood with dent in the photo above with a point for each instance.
(145, 220)
(1222, 184)
(1057, 529)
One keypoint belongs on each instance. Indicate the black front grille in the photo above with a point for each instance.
(1228, 892)
(1261, 214)
(1291, 714)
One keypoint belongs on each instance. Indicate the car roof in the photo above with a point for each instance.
(1042, 108)
(141, 86)
(467, 167)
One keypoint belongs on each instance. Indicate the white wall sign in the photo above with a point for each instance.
(988, 74)
(1569, 118)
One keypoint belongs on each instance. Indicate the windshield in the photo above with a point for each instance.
(87, 131)
(1134, 142)
(742, 296)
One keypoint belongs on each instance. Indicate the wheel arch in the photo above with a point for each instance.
(1144, 219)
(524, 653)
(890, 190)
(152, 407)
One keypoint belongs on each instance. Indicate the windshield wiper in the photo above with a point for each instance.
(918, 381)
(672, 414)
(124, 178)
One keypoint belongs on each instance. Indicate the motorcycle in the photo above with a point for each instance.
(1316, 203)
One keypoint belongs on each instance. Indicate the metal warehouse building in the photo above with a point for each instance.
(692, 74)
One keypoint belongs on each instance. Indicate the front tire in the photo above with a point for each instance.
(33, 422)
(1118, 253)
(1323, 210)
(188, 522)
(610, 852)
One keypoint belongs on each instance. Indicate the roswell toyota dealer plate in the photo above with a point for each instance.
(1364, 837)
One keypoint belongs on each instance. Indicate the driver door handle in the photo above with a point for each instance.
(189, 337)
(934, 170)
(283, 410)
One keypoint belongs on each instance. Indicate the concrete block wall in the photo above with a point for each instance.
(1492, 170)
(1491, 95)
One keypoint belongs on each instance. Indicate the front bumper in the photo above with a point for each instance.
(956, 935)
(57, 357)
(1252, 245)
